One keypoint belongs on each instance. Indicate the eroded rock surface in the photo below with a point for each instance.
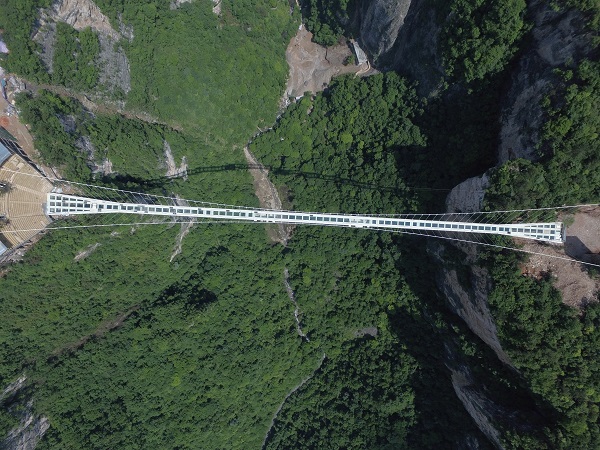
(31, 427)
(477, 405)
(403, 35)
(176, 4)
(29, 432)
(468, 294)
(82, 14)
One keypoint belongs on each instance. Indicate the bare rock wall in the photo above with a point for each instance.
(381, 23)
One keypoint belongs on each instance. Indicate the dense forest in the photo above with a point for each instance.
(128, 347)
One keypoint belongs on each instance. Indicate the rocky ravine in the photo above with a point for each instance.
(403, 35)
(558, 37)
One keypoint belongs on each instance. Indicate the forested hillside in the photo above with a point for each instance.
(128, 347)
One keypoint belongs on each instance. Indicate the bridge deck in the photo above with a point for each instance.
(65, 205)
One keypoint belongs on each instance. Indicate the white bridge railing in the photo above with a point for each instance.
(66, 205)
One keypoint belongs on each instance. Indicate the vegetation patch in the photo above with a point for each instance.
(75, 62)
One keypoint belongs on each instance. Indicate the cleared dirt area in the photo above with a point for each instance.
(312, 66)
(583, 235)
(572, 279)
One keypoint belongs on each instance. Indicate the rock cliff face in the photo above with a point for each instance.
(380, 24)
(468, 195)
(467, 296)
(416, 52)
(403, 35)
(31, 427)
(477, 405)
(29, 432)
(470, 302)
(558, 38)
(81, 14)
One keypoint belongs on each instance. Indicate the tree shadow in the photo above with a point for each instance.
(575, 248)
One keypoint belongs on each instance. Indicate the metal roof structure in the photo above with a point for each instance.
(4, 134)
(3, 248)
(4, 153)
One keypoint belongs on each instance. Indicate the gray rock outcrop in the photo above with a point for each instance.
(29, 432)
(81, 14)
(478, 406)
(403, 35)
(468, 195)
(416, 53)
(558, 39)
(469, 300)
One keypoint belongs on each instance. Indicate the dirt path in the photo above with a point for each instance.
(186, 227)
(183, 232)
(103, 328)
(312, 67)
(87, 252)
(172, 170)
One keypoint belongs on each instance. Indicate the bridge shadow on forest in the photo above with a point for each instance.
(162, 181)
